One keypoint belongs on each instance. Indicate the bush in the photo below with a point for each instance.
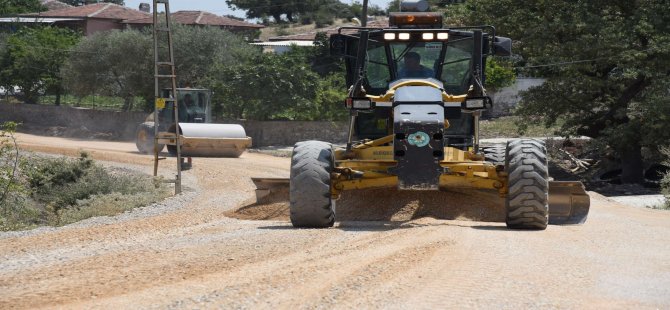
(665, 183)
(59, 191)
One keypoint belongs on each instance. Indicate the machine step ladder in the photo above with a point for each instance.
(164, 69)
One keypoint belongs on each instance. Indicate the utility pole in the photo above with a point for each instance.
(364, 20)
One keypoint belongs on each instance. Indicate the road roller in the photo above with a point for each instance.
(199, 137)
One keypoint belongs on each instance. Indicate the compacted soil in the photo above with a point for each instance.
(213, 247)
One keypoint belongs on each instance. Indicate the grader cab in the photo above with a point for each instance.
(417, 91)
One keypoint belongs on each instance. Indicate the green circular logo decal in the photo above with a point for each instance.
(419, 139)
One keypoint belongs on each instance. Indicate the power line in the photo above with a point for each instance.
(564, 63)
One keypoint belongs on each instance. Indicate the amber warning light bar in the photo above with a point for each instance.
(431, 19)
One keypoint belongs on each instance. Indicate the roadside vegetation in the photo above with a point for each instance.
(613, 89)
(38, 190)
(665, 183)
(514, 127)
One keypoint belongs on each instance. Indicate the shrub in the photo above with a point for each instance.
(665, 183)
(59, 191)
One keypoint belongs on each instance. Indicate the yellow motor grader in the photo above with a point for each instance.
(416, 96)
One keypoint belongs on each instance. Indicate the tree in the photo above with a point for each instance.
(102, 65)
(85, 2)
(268, 87)
(274, 8)
(11, 7)
(612, 77)
(199, 49)
(32, 60)
(108, 68)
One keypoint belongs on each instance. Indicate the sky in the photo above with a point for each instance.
(219, 7)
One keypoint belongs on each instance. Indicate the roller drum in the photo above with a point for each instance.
(211, 140)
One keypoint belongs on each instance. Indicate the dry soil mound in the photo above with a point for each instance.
(391, 205)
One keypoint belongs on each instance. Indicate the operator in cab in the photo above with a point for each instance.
(413, 67)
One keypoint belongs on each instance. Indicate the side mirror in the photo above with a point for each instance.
(502, 46)
(337, 45)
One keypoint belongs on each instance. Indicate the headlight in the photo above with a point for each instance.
(389, 36)
(428, 36)
(362, 104)
(443, 36)
(477, 103)
(403, 36)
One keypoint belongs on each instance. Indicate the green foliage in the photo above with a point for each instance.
(109, 71)
(499, 74)
(10, 190)
(198, 50)
(11, 7)
(67, 186)
(322, 12)
(665, 183)
(58, 191)
(303, 84)
(619, 95)
(33, 57)
(269, 87)
(515, 127)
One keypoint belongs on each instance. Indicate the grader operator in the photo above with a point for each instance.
(417, 92)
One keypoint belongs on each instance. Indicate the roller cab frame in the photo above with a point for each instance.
(199, 137)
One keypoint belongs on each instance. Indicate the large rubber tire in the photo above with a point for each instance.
(494, 153)
(528, 185)
(144, 138)
(311, 204)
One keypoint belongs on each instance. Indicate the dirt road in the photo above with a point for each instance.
(194, 256)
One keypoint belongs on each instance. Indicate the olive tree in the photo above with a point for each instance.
(606, 64)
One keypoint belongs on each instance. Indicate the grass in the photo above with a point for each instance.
(96, 102)
(507, 127)
(93, 102)
(55, 191)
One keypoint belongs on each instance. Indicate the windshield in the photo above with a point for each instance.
(449, 62)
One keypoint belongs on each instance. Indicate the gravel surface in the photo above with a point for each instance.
(196, 256)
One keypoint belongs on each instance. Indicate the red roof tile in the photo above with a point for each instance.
(310, 36)
(199, 18)
(97, 10)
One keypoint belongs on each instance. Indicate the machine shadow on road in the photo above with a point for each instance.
(388, 225)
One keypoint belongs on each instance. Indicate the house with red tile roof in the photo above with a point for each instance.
(199, 18)
(88, 19)
(311, 36)
(96, 17)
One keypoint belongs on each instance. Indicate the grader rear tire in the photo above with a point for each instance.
(528, 174)
(494, 153)
(311, 204)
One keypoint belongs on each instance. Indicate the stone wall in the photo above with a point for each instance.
(505, 99)
(82, 122)
(113, 124)
(122, 125)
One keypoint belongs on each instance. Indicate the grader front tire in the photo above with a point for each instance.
(528, 174)
(311, 204)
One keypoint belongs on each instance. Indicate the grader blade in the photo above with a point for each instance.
(568, 203)
(267, 188)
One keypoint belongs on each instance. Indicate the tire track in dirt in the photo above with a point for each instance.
(195, 257)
